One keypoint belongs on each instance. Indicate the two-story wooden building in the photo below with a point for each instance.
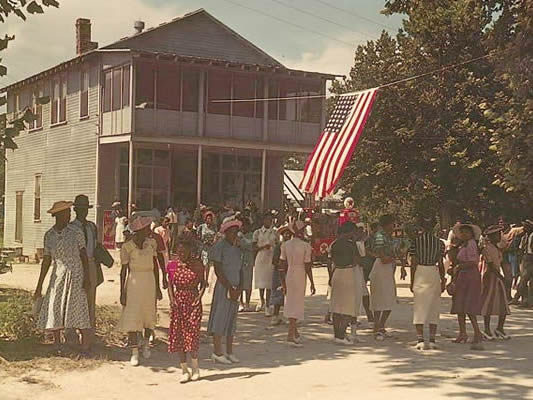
(139, 121)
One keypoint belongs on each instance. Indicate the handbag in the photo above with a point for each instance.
(102, 256)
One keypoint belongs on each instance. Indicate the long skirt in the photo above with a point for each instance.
(140, 311)
(426, 290)
(223, 315)
(294, 301)
(467, 297)
(382, 287)
(493, 296)
(185, 321)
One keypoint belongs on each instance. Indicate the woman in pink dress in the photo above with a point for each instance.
(186, 286)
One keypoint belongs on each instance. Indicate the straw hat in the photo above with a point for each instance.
(493, 229)
(116, 204)
(207, 213)
(60, 206)
(140, 223)
(283, 229)
(475, 228)
(232, 223)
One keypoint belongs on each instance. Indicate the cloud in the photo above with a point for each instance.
(48, 39)
(334, 58)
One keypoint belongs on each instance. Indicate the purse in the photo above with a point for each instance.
(102, 256)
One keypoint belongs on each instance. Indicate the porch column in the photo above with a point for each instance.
(201, 104)
(199, 176)
(263, 180)
(131, 189)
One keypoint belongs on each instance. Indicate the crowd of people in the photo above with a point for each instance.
(230, 252)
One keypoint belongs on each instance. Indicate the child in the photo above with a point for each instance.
(186, 287)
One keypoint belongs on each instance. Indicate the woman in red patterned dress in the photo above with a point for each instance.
(186, 286)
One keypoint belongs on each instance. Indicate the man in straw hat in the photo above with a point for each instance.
(64, 305)
(90, 233)
(227, 257)
(296, 264)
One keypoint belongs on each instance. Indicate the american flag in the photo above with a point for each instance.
(337, 143)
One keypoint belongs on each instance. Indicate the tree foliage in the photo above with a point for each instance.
(9, 130)
(426, 146)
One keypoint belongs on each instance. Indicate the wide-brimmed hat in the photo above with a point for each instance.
(228, 224)
(476, 229)
(297, 226)
(82, 201)
(140, 222)
(283, 229)
(60, 206)
(493, 229)
(207, 213)
(116, 204)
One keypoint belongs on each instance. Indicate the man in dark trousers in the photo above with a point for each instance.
(90, 232)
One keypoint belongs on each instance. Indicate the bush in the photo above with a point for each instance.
(16, 319)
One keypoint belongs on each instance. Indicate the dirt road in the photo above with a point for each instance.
(269, 369)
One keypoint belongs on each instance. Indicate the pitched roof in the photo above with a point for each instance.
(197, 34)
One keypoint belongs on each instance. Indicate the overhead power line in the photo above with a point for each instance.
(322, 18)
(354, 14)
(351, 45)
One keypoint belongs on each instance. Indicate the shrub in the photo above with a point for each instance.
(16, 319)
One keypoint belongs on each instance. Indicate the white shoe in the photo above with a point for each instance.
(185, 377)
(195, 375)
(232, 358)
(298, 339)
(147, 353)
(433, 346)
(268, 312)
(259, 308)
(220, 359)
(134, 360)
(420, 346)
(344, 342)
(294, 343)
(276, 320)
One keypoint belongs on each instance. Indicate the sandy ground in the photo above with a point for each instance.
(270, 369)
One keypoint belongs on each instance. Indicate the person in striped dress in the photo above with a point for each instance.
(428, 281)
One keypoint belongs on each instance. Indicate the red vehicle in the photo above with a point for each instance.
(324, 227)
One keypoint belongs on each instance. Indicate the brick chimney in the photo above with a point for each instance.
(83, 36)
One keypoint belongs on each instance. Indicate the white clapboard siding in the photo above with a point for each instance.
(65, 155)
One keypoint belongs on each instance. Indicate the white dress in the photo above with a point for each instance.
(120, 227)
(263, 262)
(297, 253)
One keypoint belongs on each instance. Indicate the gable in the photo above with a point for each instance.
(198, 35)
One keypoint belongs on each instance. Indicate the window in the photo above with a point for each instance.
(117, 89)
(37, 198)
(59, 100)
(288, 109)
(107, 90)
(244, 88)
(37, 109)
(191, 87)
(84, 94)
(310, 109)
(273, 105)
(168, 87)
(18, 217)
(126, 86)
(144, 81)
(219, 88)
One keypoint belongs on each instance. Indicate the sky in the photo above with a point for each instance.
(322, 38)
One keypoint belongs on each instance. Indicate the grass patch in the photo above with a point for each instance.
(23, 348)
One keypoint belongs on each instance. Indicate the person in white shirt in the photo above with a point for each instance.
(173, 218)
(264, 240)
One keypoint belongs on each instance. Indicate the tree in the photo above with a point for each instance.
(425, 147)
(9, 130)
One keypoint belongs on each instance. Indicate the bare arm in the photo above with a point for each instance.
(414, 263)
(45, 266)
(156, 277)
(161, 262)
(309, 272)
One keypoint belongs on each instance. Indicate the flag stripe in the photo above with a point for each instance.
(341, 137)
(337, 143)
(343, 162)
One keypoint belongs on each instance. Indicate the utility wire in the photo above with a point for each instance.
(351, 45)
(322, 18)
(354, 14)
